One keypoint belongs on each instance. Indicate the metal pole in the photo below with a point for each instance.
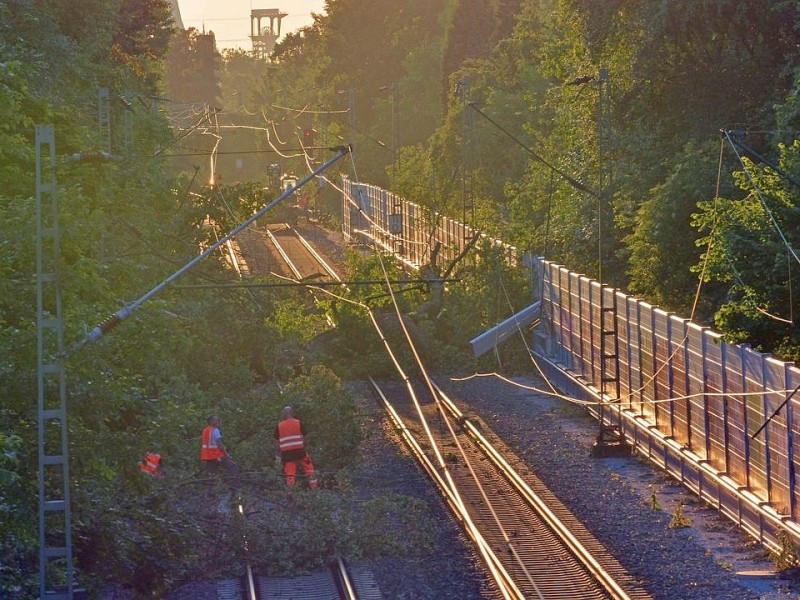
(123, 314)
(55, 526)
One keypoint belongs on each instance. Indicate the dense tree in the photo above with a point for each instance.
(474, 28)
(486, 111)
(379, 62)
(192, 68)
(752, 247)
(654, 246)
(125, 225)
(677, 76)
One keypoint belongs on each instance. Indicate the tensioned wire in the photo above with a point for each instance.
(447, 420)
(679, 346)
(760, 196)
(483, 547)
(633, 393)
(418, 407)
(389, 234)
(304, 153)
(747, 296)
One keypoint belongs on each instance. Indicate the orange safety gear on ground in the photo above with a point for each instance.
(209, 449)
(151, 464)
(290, 436)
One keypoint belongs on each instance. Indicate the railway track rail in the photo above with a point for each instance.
(533, 546)
(280, 250)
(299, 257)
(339, 582)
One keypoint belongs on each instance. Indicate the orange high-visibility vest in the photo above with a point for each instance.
(290, 436)
(209, 449)
(151, 464)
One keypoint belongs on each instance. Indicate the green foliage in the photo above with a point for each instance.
(18, 544)
(663, 236)
(395, 525)
(787, 557)
(679, 520)
(383, 86)
(679, 73)
(328, 412)
(354, 348)
(303, 538)
(490, 292)
(144, 538)
(748, 254)
(192, 68)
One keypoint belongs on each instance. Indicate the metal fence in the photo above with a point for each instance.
(381, 219)
(692, 402)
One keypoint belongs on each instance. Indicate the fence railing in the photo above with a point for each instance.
(722, 418)
(704, 401)
(382, 219)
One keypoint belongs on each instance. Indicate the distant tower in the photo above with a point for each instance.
(264, 38)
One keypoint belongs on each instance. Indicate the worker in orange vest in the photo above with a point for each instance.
(152, 465)
(290, 435)
(213, 453)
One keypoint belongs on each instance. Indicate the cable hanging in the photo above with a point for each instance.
(760, 196)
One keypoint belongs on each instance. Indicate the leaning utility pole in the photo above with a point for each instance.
(56, 569)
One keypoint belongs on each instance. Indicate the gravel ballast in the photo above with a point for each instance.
(624, 502)
(627, 504)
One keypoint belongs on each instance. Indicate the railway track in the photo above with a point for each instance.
(278, 249)
(533, 546)
(339, 582)
(531, 543)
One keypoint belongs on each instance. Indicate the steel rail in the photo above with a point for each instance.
(502, 578)
(578, 550)
(292, 267)
(114, 320)
(250, 592)
(316, 255)
(345, 584)
(250, 584)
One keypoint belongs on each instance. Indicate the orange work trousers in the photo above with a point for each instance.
(290, 469)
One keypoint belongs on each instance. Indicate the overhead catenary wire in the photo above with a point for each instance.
(629, 399)
(370, 220)
(483, 548)
(110, 323)
(747, 290)
(737, 140)
(272, 145)
(571, 180)
(579, 402)
(761, 199)
(454, 437)
(435, 397)
(531, 354)
(434, 446)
